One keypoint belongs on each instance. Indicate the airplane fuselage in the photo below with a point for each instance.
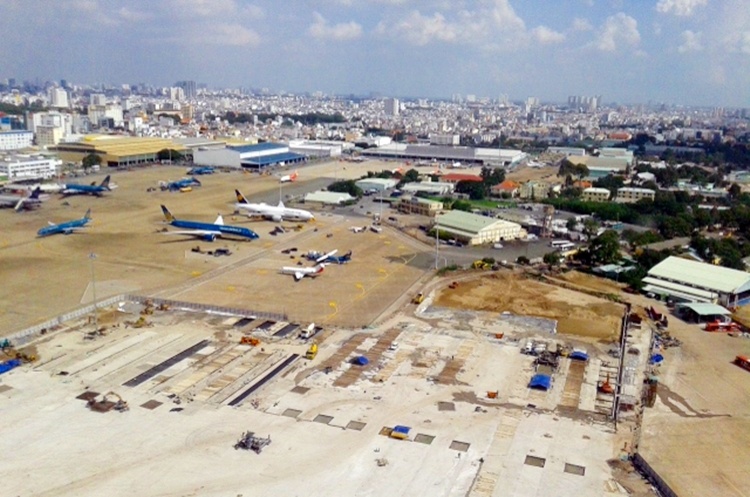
(218, 228)
(66, 228)
(276, 212)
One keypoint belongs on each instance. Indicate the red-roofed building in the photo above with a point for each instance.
(507, 186)
(456, 177)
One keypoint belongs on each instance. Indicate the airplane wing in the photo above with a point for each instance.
(19, 205)
(71, 229)
(326, 256)
(198, 233)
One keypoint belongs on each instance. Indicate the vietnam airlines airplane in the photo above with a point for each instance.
(301, 272)
(289, 177)
(274, 212)
(207, 231)
(92, 189)
(65, 228)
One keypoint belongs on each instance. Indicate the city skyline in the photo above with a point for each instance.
(687, 52)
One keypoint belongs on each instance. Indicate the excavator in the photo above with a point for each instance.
(106, 404)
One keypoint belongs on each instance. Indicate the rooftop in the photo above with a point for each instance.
(468, 222)
(258, 147)
(716, 278)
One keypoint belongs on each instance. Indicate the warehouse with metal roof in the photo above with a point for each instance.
(257, 156)
(116, 150)
(685, 280)
(469, 155)
(472, 229)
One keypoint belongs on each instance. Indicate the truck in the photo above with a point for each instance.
(743, 362)
(308, 332)
(312, 351)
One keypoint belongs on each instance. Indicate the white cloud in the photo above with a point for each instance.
(545, 35)
(344, 31)
(218, 33)
(581, 25)
(619, 29)
(691, 42)
(494, 25)
(681, 8)
(131, 15)
(213, 8)
(421, 30)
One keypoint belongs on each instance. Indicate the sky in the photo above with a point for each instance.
(685, 52)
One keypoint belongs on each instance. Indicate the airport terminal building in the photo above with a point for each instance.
(258, 156)
(685, 280)
(464, 155)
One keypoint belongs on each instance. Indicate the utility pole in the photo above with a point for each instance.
(92, 256)
(437, 245)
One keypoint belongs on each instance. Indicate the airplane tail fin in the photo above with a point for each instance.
(240, 197)
(196, 182)
(87, 215)
(294, 175)
(167, 215)
(105, 183)
(35, 193)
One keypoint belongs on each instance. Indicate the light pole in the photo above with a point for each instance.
(437, 244)
(92, 256)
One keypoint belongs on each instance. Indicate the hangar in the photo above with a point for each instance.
(256, 156)
(691, 281)
(473, 229)
(116, 150)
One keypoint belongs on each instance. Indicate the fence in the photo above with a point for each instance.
(657, 481)
(27, 335)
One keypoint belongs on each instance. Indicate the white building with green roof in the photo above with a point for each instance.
(472, 229)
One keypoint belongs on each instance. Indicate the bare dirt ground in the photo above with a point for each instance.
(576, 313)
(48, 276)
(523, 174)
(588, 281)
(698, 433)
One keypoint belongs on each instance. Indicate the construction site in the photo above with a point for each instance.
(160, 370)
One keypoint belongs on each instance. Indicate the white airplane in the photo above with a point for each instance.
(289, 178)
(301, 272)
(357, 229)
(43, 187)
(274, 212)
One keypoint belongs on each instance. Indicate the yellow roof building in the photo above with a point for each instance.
(116, 150)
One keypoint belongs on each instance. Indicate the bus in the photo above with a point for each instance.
(562, 245)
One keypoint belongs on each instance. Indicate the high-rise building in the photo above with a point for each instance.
(58, 98)
(189, 88)
(392, 106)
(98, 99)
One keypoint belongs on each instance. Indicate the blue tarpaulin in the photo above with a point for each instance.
(8, 365)
(541, 381)
(579, 355)
(656, 358)
(361, 361)
(401, 429)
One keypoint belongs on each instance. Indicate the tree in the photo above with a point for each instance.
(551, 258)
(411, 176)
(604, 249)
(735, 191)
(571, 224)
(590, 227)
(168, 154)
(347, 186)
(91, 160)
(523, 260)
(492, 176)
(474, 189)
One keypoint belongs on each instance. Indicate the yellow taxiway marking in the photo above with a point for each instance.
(230, 288)
(261, 271)
(195, 274)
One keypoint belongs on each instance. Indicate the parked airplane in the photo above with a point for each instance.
(331, 258)
(206, 231)
(201, 170)
(18, 202)
(357, 229)
(174, 186)
(274, 212)
(92, 189)
(289, 178)
(65, 228)
(301, 272)
(44, 187)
